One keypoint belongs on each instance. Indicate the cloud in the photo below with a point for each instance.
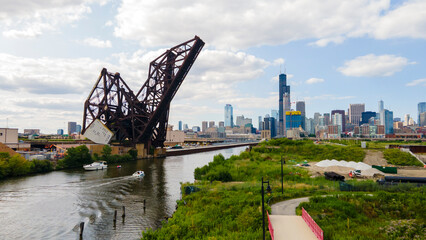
(29, 19)
(237, 26)
(421, 82)
(374, 66)
(314, 80)
(97, 43)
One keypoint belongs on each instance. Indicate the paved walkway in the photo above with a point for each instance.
(286, 224)
(291, 228)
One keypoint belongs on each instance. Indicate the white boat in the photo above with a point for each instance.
(96, 166)
(138, 174)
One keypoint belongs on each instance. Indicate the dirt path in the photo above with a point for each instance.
(375, 158)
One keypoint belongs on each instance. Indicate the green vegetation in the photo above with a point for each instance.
(131, 155)
(381, 215)
(229, 201)
(16, 165)
(376, 144)
(397, 157)
(75, 157)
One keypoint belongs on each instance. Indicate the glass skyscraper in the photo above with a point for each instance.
(284, 102)
(421, 107)
(229, 116)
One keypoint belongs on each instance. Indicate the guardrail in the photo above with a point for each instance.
(271, 229)
(312, 225)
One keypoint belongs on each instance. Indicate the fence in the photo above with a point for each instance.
(312, 225)
(271, 229)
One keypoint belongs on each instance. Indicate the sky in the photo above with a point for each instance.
(334, 52)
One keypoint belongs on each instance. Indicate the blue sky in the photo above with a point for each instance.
(334, 52)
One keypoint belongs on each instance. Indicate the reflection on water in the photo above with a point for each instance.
(51, 206)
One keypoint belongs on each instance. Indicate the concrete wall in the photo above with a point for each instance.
(8, 135)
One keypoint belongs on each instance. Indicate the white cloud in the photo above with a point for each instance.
(28, 19)
(94, 42)
(314, 80)
(237, 26)
(374, 66)
(421, 82)
(109, 23)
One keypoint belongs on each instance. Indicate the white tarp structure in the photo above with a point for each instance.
(98, 132)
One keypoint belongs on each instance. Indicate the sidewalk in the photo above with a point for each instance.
(291, 228)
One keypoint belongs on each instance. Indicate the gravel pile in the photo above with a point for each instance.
(343, 163)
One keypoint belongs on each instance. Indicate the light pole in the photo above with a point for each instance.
(282, 176)
(269, 190)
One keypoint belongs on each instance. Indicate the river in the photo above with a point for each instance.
(51, 205)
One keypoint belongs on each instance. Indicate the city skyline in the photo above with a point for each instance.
(363, 52)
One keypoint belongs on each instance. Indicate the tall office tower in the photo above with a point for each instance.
(321, 122)
(365, 117)
(293, 119)
(421, 107)
(407, 120)
(78, 129)
(355, 113)
(211, 124)
(229, 116)
(72, 127)
(60, 132)
(337, 119)
(221, 124)
(185, 126)
(260, 123)
(310, 128)
(300, 106)
(422, 120)
(180, 125)
(387, 121)
(342, 112)
(317, 115)
(284, 93)
(203, 126)
(327, 119)
(381, 105)
(272, 126)
(275, 115)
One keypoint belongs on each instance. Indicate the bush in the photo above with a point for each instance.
(397, 157)
(11, 166)
(40, 166)
(76, 157)
(133, 153)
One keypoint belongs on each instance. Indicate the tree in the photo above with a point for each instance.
(77, 157)
(106, 152)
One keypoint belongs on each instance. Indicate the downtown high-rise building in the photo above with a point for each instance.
(180, 125)
(355, 113)
(300, 106)
(260, 127)
(421, 108)
(275, 115)
(229, 116)
(72, 127)
(204, 126)
(386, 119)
(211, 124)
(341, 112)
(284, 102)
(365, 117)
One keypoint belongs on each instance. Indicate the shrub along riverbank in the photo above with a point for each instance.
(228, 205)
(16, 165)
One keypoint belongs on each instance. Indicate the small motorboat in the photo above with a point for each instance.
(96, 166)
(118, 166)
(138, 174)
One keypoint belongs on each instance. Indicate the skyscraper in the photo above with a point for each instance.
(275, 115)
(293, 119)
(72, 127)
(355, 113)
(180, 125)
(421, 107)
(211, 124)
(342, 112)
(229, 116)
(284, 101)
(386, 119)
(327, 119)
(300, 106)
(260, 123)
(381, 106)
(203, 126)
(365, 117)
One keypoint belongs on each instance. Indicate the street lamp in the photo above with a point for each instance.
(268, 190)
